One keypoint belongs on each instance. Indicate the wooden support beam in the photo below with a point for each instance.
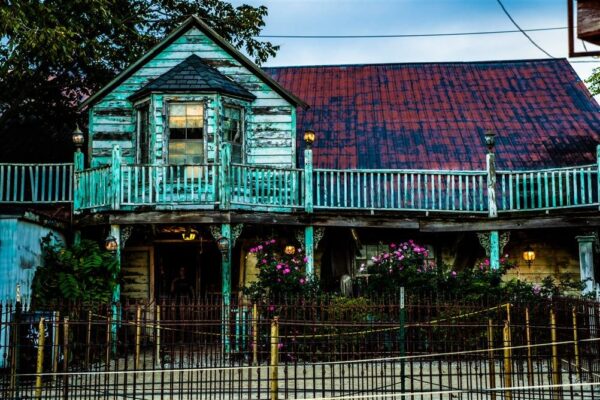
(309, 243)
(308, 181)
(494, 250)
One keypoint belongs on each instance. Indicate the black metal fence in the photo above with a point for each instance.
(304, 348)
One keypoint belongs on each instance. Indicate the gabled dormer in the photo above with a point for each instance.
(184, 98)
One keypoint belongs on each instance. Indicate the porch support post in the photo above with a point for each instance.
(308, 181)
(224, 184)
(78, 165)
(226, 286)
(115, 231)
(309, 243)
(598, 174)
(494, 250)
(586, 261)
(115, 172)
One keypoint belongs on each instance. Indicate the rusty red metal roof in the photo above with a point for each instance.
(434, 115)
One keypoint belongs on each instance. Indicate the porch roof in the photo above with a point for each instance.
(434, 115)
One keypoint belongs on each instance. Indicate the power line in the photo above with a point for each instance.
(407, 35)
(521, 30)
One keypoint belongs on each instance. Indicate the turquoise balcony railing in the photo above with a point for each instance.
(36, 183)
(228, 186)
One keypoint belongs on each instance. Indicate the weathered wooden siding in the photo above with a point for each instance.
(270, 122)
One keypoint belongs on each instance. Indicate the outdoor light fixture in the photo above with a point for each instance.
(529, 256)
(111, 244)
(490, 140)
(78, 138)
(223, 245)
(189, 234)
(309, 138)
(290, 250)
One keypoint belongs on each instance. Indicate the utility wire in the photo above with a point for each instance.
(522, 30)
(407, 35)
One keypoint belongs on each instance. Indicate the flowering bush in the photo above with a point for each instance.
(404, 264)
(279, 274)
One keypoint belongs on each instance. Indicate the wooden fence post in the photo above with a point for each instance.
(55, 344)
(39, 370)
(555, 361)
(402, 341)
(309, 251)
(66, 358)
(507, 361)
(274, 370)
(254, 334)
(115, 171)
(157, 329)
(528, 341)
(490, 334)
(576, 344)
(138, 336)
(115, 231)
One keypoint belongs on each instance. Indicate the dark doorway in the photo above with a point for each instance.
(183, 265)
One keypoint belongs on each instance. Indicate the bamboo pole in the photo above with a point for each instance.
(55, 344)
(66, 358)
(491, 357)
(254, 334)
(528, 339)
(138, 335)
(555, 360)
(39, 370)
(157, 328)
(576, 345)
(88, 339)
(507, 361)
(274, 372)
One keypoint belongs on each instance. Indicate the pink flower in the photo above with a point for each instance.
(253, 250)
(279, 266)
(286, 271)
(271, 308)
(305, 259)
(264, 261)
(272, 241)
(392, 246)
(453, 273)
(260, 247)
(280, 346)
(302, 281)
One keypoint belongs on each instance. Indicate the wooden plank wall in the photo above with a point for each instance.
(270, 124)
(138, 273)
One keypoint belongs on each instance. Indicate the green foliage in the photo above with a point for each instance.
(54, 53)
(279, 275)
(594, 82)
(79, 273)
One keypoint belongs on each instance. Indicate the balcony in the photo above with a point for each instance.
(228, 186)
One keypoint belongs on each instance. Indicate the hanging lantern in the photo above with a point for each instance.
(78, 138)
(290, 250)
(111, 244)
(189, 234)
(529, 256)
(309, 138)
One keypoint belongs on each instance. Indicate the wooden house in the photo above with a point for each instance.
(194, 153)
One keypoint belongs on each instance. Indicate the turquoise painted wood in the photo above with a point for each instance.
(20, 256)
(494, 250)
(226, 287)
(269, 120)
(36, 183)
(309, 243)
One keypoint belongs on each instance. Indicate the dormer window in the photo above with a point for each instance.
(186, 133)
(233, 132)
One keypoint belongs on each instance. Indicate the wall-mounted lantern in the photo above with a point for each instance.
(528, 256)
(223, 246)
(309, 138)
(111, 244)
(290, 250)
(490, 140)
(78, 138)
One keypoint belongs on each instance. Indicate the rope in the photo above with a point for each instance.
(367, 360)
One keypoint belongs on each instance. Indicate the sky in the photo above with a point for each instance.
(385, 17)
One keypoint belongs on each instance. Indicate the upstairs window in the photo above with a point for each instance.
(233, 132)
(186, 133)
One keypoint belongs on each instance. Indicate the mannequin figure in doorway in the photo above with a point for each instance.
(181, 289)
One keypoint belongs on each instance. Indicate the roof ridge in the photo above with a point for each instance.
(516, 61)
